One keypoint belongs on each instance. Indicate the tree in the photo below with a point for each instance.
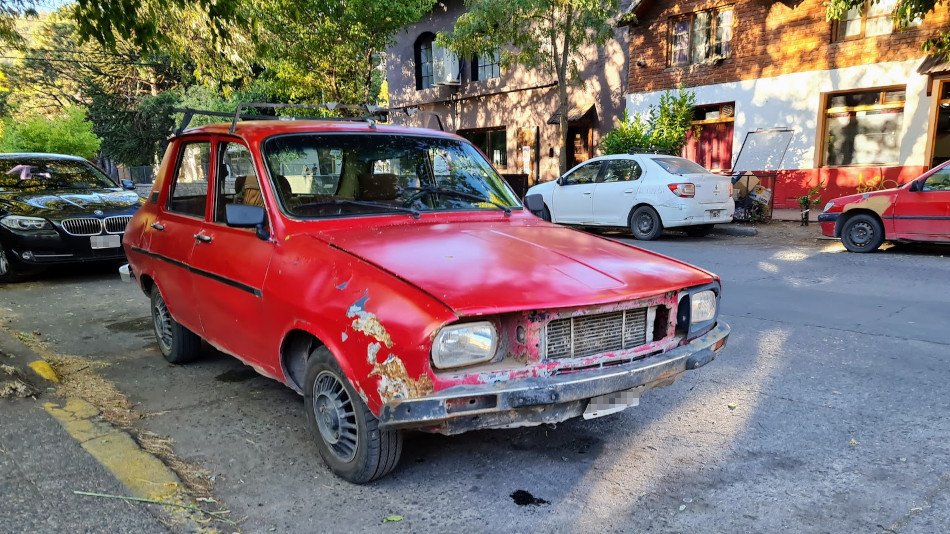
(69, 133)
(906, 12)
(664, 128)
(544, 35)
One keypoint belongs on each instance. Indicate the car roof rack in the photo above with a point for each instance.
(370, 113)
(652, 150)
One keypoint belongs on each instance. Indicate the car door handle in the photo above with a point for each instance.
(628, 191)
(158, 226)
(586, 192)
(203, 238)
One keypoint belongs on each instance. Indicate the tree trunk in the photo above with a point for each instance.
(563, 106)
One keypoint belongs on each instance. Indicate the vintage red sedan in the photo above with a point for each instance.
(917, 211)
(392, 278)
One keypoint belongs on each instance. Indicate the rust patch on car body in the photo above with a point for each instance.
(878, 203)
(367, 322)
(395, 382)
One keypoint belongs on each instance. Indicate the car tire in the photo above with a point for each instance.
(177, 344)
(546, 213)
(862, 233)
(8, 270)
(645, 223)
(699, 230)
(347, 433)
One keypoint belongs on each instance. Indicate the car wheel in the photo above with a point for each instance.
(7, 270)
(177, 343)
(347, 433)
(546, 213)
(645, 223)
(862, 233)
(699, 230)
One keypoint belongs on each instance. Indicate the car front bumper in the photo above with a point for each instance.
(828, 223)
(49, 247)
(551, 399)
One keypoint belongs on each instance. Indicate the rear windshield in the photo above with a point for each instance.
(39, 174)
(332, 175)
(675, 165)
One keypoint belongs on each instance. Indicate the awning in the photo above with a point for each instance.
(934, 65)
(631, 15)
(585, 112)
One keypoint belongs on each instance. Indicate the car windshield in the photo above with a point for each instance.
(674, 165)
(327, 175)
(36, 174)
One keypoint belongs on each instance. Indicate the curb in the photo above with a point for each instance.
(736, 230)
(28, 366)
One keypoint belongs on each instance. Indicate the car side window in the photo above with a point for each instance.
(237, 181)
(622, 170)
(189, 189)
(939, 181)
(585, 175)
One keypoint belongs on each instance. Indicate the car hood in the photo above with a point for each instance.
(877, 201)
(65, 203)
(497, 267)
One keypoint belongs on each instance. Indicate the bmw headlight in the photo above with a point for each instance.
(19, 222)
(464, 344)
(702, 307)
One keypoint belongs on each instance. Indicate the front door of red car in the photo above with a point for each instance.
(231, 264)
(169, 239)
(924, 213)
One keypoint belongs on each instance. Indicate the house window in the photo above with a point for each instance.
(863, 128)
(486, 66)
(701, 36)
(875, 17)
(423, 57)
(492, 141)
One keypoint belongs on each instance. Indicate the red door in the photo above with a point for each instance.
(712, 148)
(229, 266)
(924, 214)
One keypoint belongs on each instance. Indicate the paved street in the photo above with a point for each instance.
(827, 412)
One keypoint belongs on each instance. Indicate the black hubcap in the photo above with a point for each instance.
(645, 223)
(861, 234)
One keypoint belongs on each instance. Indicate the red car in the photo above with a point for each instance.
(391, 277)
(917, 211)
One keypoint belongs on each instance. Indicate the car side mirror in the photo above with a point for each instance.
(246, 216)
(915, 186)
(128, 185)
(561, 181)
(534, 203)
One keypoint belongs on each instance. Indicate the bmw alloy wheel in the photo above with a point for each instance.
(4, 262)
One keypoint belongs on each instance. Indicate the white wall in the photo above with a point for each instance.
(793, 100)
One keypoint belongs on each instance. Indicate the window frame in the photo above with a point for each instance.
(605, 169)
(425, 39)
(182, 144)
(714, 14)
(478, 65)
(487, 132)
(219, 145)
(825, 111)
(565, 181)
(837, 25)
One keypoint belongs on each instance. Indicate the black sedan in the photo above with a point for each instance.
(59, 209)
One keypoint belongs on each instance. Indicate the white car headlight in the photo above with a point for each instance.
(19, 222)
(828, 206)
(464, 344)
(702, 307)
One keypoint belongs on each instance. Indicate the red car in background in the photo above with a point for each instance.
(916, 211)
(392, 278)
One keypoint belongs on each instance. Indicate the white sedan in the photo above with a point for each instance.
(644, 192)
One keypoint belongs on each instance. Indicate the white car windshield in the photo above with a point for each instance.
(674, 165)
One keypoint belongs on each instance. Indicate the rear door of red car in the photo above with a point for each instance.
(169, 239)
(925, 213)
(232, 263)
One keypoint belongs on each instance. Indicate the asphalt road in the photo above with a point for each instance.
(826, 413)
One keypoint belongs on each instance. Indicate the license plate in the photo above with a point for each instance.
(617, 401)
(714, 213)
(105, 241)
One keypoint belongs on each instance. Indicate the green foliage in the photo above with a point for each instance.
(812, 197)
(133, 134)
(906, 13)
(69, 133)
(548, 36)
(663, 129)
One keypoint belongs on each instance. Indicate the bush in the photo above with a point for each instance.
(70, 133)
(664, 128)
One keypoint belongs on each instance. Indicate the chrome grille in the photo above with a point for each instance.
(82, 226)
(116, 225)
(576, 337)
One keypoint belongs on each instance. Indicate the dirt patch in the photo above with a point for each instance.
(785, 233)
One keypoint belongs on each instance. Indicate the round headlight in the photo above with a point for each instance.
(702, 307)
(828, 206)
(464, 344)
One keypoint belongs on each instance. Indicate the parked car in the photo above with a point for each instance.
(643, 192)
(58, 209)
(917, 211)
(391, 277)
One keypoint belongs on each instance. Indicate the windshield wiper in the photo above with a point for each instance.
(420, 191)
(350, 202)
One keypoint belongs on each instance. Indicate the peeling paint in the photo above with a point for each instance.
(395, 382)
(342, 286)
(371, 351)
(878, 203)
(344, 336)
(367, 322)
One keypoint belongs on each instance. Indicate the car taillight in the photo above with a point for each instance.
(686, 190)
